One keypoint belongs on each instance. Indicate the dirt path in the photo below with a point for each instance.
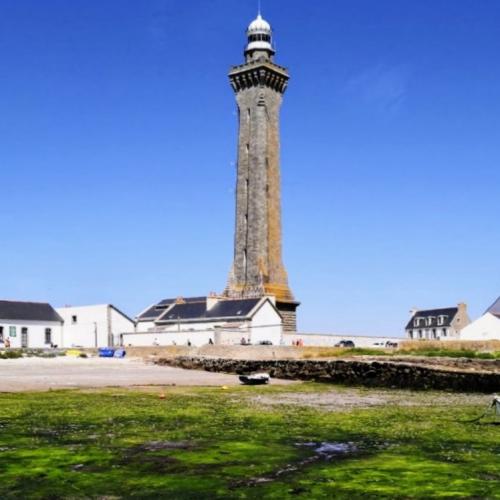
(38, 374)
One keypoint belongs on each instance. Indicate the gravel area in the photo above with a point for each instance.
(345, 398)
(39, 374)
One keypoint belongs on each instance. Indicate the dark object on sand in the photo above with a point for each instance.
(257, 379)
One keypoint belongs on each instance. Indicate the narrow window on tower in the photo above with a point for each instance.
(245, 262)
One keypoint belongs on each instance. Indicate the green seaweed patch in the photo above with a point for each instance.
(207, 443)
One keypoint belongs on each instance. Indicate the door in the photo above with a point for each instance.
(24, 337)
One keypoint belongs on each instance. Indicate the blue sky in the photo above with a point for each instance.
(118, 142)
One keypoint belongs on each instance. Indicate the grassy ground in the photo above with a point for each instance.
(428, 351)
(214, 443)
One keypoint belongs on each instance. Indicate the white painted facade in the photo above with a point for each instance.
(93, 326)
(487, 327)
(266, 325)
(31, 334)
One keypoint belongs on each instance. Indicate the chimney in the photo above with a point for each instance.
(413, 311)
(462, 308)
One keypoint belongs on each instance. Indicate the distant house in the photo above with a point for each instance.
(203, 320)
(487, 327)
(29, 324)
(93, 326)
(437, 324)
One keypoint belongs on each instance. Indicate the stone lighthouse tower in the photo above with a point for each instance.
(259, 85)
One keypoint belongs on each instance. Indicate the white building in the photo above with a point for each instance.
(29, 324)
(93, 326)
(437, 324)
(204, 320)
(487, 327)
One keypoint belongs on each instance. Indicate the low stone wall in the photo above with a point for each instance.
(353, 372)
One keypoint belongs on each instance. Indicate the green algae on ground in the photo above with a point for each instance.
(208, 443)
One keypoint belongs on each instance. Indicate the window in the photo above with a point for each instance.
(441, 320)
(410, 333)
(12, 331)
(434, 333)
(1, 333)
(416, 321)
(48, 335)
(24, 337)
(420, 334)
(443, 332)
(74, 320)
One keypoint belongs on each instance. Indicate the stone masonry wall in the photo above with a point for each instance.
(354, 372)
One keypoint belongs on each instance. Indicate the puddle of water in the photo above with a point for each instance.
(322, 451)
(328, 450)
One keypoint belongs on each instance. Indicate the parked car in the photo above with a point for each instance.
(390, 344)
(349, 344)
(265, 342)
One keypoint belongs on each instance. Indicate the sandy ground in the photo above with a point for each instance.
(39, 374)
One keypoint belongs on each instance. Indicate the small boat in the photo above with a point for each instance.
(256, 379)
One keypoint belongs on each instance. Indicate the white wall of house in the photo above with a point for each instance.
(486, 327)
(266, 325)
(144, 326)
(93, 326)
(36, 333)
(192, 326)
(434, 333)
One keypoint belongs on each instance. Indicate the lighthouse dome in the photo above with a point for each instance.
(259, 25)
(259, 34)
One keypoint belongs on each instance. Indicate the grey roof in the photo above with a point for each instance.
(156, 310)
(28, 311)
(240, 308)
(494, 308)
(232, 308)
(448, 312)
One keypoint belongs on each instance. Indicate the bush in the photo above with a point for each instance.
(11, 354)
